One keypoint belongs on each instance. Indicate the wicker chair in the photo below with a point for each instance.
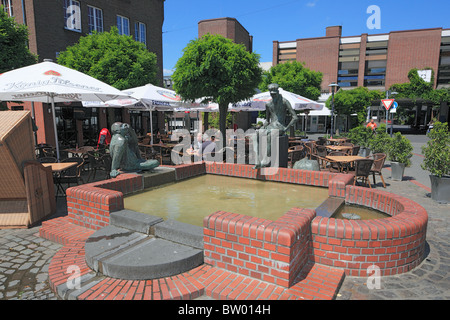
(47, 160)
(72, 175)
(378, 163)
(321, 155)
(362, 171)
(295, 154)
(99, 162)
(355, 150)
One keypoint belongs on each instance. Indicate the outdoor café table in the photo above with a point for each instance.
(79, 152)
(57, 168)
(336, 140)
(338, 148)
(344, 161)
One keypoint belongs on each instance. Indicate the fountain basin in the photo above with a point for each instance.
(277, 250)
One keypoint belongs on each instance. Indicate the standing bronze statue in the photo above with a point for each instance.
(277, 111)
(124, 151)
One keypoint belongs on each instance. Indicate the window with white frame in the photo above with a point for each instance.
(7, 6)
(95, 19)
(72, 15)
(140, 32)
(123, 24)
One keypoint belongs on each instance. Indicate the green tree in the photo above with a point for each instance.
(14, 52)
(115, 59)
(418, 89)
(294, 77)
(215, 68)
(347, 102)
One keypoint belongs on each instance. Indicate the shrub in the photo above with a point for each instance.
(437, 151)
(399, 149)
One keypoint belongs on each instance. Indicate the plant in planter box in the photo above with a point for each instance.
(363, 137)
(437, 161)
(399, 152)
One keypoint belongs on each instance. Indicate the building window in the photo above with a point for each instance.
(72, 15)
(7, 6)
(140, 32)
(95, 16)
(123, 24)
(375, 64)
(444, 62)
(348, 66)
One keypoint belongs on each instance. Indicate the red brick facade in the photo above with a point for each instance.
(229, 28)
(406, 50)
(412, 49)
(48, 36)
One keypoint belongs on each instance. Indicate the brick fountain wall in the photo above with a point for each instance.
(277, 251)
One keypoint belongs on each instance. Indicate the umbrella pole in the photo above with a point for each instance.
(151, 127)
(54, 127)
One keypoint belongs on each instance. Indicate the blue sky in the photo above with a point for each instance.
(288, 20)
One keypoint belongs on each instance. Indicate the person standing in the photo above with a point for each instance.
(372, 125)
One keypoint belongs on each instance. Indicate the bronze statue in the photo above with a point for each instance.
(124, 151)
(276, 112)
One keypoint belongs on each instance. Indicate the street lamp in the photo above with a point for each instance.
(333, 88)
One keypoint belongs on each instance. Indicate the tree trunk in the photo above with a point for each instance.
(223, 110)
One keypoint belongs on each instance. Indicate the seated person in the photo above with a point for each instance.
(104, 138)
(209, 146)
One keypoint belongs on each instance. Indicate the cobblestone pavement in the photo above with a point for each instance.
(25, 257)
(24, 260)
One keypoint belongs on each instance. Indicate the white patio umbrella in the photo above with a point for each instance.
(148, 97)
(297, 101)
(49, 82)
(151, 97)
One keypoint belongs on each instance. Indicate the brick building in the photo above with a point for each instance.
(55, 24)
(373, 61)
(231, 29)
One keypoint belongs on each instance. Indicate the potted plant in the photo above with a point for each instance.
(437, 161)
(362, 136)
(380, 141)
(399, 152)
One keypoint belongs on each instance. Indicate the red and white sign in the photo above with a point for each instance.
(387, 103)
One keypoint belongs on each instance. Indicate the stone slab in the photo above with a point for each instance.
(159, 176)
(180, 232)
(135, 221)
(124, 254)
(151, 259)
(108, 241)
(329, 207)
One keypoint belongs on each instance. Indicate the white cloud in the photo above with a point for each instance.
(312, 3)
(168, 72)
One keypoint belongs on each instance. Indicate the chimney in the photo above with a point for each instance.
(335, 31)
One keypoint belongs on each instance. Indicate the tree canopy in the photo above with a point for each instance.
(347, 102)
(418, 88)
(215, 68)
(14, 51)
(294, 77)
(115, 59)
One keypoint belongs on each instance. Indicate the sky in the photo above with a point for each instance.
(288, 20)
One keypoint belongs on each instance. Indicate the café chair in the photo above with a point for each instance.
(378, 163)
(362, 171)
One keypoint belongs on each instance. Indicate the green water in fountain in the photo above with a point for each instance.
(363, 213)
(191, 200)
